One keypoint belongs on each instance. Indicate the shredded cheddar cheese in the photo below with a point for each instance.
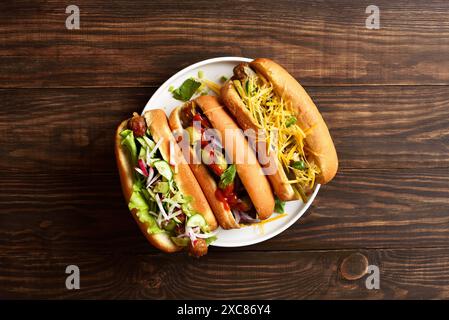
(281, 215)
(271, 113)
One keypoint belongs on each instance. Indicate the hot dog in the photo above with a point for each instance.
(264, 97)
(159, 187)
(237, 191)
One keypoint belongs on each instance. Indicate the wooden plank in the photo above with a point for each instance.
(68, 130)
(123, 44)
(411, 274)
(359, 209)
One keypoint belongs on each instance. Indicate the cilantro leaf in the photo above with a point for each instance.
(186, 90)
(227, 177)
(279, 205)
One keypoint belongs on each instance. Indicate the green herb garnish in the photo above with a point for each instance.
(290, 121)
(186, 90)
(279, 205)
(299, 165)
(227, 177)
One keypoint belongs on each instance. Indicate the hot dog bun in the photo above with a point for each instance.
(160, 240)
(250, 173)
(207, 182)
(318, 141)
(278, 179)
(184, 178)
(158, 126)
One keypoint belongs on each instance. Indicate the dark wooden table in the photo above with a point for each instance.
(384, 94)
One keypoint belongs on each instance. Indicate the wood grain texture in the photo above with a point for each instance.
(70, 130)
(383, 93)
(123, 44)
(412, 274)
(360, 209)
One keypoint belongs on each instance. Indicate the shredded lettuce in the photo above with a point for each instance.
(150, 221)
(137, 201)
(128, 141)
(210, 240)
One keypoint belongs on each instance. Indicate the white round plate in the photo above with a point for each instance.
(213, 70)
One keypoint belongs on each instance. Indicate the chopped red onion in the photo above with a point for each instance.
(237, 215)
(247, 218)
(143, 167)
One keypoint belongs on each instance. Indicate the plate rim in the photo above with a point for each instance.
(278, 231)
(262, 237)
